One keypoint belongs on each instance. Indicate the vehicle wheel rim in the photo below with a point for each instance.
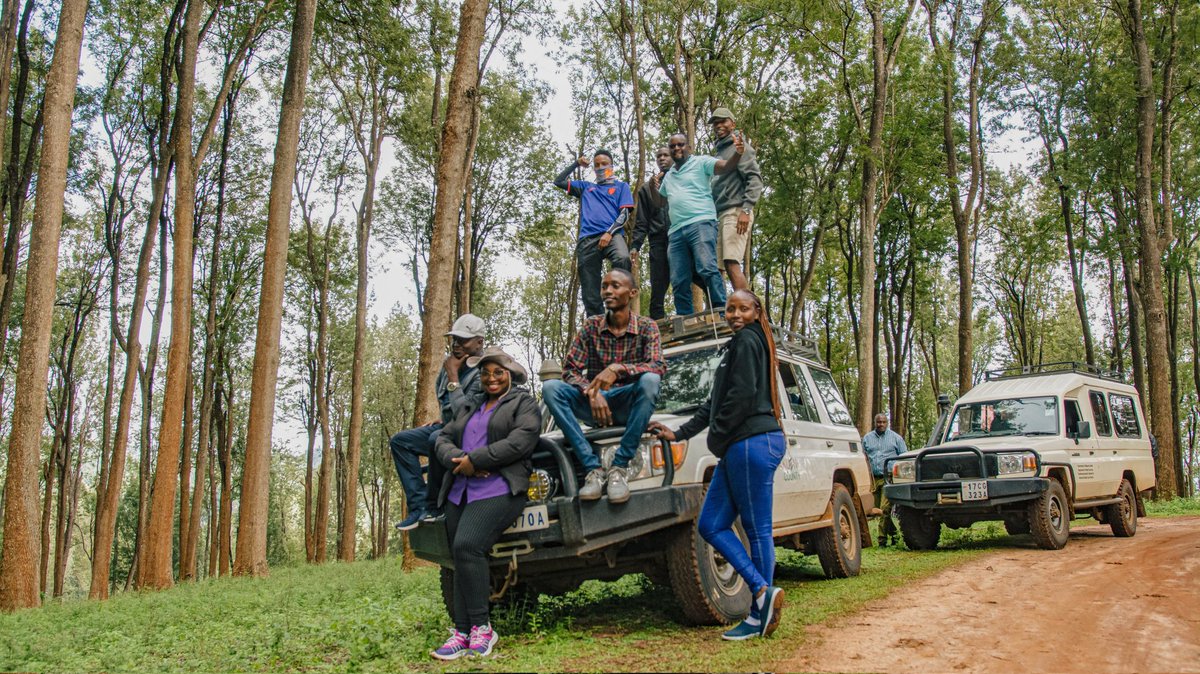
(1056, 514)
(726, 576)
(845, 530)
(1127, 506)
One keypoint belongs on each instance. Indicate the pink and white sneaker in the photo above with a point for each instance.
(482, 640)
(455, 647)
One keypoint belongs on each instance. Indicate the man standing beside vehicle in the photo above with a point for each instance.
(457, 386)
(603, 210)
(653, 223)
(610, 377)
(880, 445)
(735, 194)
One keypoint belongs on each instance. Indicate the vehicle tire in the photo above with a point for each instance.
(708, 589)
(1016, 527)
(920, 531)
(1122, 517)
(447, 579)
(1050, 518)
(839, 547)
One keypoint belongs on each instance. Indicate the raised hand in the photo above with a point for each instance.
(739, 142)
(584, 161)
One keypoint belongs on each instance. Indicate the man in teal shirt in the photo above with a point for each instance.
(692, 247)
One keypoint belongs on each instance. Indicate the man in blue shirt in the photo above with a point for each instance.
(692, 247)
(880, 445)
(604, 207)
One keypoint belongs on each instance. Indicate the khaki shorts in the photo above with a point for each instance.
(731, 245)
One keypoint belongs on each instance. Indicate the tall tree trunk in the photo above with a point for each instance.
(1157, 351)
(252, 520)
(459, 101)
(8, 40)
(883, 61)
(18, 563)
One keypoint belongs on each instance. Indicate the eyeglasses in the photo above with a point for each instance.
(676, 144)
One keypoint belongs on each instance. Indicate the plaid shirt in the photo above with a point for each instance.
(596, 347)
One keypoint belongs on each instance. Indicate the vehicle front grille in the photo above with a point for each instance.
(965, 466)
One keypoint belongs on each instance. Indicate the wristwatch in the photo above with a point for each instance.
(452, 386)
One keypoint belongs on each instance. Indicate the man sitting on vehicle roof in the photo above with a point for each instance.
(609, 377)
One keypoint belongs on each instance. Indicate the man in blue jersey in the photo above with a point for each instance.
(692, 246)
(604, 207)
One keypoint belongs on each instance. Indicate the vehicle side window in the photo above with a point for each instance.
(796, 389)
(1071, 409)
(838, 413)
(1100, 413)
(1124, 415)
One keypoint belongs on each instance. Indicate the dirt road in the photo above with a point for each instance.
(1102, 604)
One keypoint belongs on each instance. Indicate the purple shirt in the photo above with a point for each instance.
(477, 488)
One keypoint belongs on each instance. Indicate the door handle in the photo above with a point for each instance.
(829, 443)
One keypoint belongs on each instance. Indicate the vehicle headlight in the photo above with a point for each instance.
(1017, 462)
(648, 461)
(542, 487)
(904, 471)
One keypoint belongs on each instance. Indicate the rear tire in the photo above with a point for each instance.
(920, 531)
(1122, 517)
(708, 589)
(839, 547)
(1050, 518)
(1016, 527)
(447, 581)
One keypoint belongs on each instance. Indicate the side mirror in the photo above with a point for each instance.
(1083, 431)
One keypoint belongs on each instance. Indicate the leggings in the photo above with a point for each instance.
(743, 485)
(473, 528)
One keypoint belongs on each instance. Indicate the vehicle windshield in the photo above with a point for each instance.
(1010, 416)
(688, 381)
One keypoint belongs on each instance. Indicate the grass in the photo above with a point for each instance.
(373, 616)
(1174, 507)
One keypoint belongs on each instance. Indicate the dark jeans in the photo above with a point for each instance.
(743, 485)
(660, 275)
(887, 526)
(407, 449)
(693, 251)
(590, 258)
(631, 404)
(473, 528)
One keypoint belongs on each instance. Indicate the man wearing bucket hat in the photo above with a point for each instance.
(734, 194)
(486, 450)
(457, 386)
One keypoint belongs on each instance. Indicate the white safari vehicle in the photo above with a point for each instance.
(1035, 448)
(821, 489)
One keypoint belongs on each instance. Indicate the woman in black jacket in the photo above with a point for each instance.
(487, 448)
(742, 417)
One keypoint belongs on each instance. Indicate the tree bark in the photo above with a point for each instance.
(18, 560)
(452, 178)
(252, 522)
(1157, 351)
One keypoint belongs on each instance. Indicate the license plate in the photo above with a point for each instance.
(975, 490)
(534, 518)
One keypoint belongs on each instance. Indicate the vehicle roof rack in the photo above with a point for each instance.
(1059, 367)
(677, 330)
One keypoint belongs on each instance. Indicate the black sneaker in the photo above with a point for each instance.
(432, 516)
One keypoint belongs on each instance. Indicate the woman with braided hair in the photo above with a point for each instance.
(742, 417)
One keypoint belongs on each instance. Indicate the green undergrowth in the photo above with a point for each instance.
(372, 616)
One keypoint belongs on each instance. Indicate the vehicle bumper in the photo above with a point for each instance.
(941, 495)
(579, 527)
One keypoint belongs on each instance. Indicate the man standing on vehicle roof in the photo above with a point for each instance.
(693, 234)
(603, 210)
(457, 386)
(653, 222)
(734, 193)
(880, 445)
(610, 377)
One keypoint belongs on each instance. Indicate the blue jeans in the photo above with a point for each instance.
(631, 404)
(743, 485)
(407, 449)
(692, 250)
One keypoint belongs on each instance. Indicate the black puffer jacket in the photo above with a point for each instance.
(740, 403)
(512, 434)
